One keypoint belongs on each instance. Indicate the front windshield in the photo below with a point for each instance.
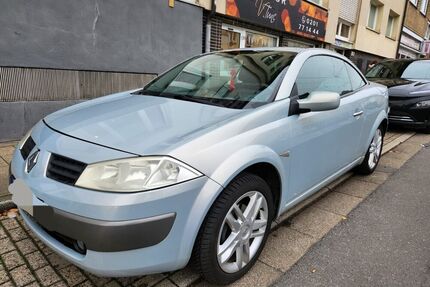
(233, 79)
(401, 69)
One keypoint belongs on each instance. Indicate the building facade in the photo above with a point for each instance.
(54, 53)
(366, 31)
(415, 32)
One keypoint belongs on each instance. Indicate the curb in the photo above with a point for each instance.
(8, 204)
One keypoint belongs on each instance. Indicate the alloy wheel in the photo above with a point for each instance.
(242, 231)
(375, 149)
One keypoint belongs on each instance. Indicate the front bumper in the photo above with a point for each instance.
(405, 113)
(124, 234)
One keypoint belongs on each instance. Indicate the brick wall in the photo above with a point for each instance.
(416, 21)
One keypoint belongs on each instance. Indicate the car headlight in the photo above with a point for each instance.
(135, 174)
(423, 104)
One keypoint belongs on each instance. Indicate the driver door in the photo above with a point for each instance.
(323, 143)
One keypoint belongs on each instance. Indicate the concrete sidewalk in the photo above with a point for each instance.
(27, 261)
(385, 242)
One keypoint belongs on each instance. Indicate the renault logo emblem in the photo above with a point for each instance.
(31, 161)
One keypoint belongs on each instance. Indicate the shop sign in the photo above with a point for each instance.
(293, 16)
(342, 44)
(410, 42)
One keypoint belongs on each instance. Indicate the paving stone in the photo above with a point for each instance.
(2, 233)
(285, 247)
(3, 276)
(113, 283)
(338, 203)
(36, 260)
(57, 261)
(12, 259)
(47, 276)
(409, 147)
(59, 284)
(72, 275)
(18, 234)
(6, 245)
(357, 188)
(7, 284)
(10, 223)
(389, 162)
(149, 280)
(6, 152)
(126, 281)
(26, 246)
(85, 284)
(165, 283)
(184, 277)
(34, 284)
(98, 281)
(376, 177)
(315, 222)
(22, 275)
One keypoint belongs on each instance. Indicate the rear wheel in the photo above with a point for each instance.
(373, 154)
(235, 230)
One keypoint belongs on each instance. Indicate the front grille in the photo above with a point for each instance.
(400, 118)
(27, 147)
(64, 169)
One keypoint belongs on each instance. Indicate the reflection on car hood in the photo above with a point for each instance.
(139, 124)
(405, 87)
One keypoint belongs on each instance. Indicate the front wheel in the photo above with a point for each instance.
(373, 154)
(234, 231)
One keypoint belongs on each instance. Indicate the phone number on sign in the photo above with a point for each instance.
(309, 25)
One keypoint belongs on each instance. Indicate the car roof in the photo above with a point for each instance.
(312, 51)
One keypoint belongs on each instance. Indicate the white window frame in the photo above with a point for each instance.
(427, 36)
(375, 20)
(339, 29)
(390, 35)
(423, 6)
(318, 2)
(243, 32)
(414, 2)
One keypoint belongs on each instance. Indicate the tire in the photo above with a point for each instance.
(373, 154)
(209, 258)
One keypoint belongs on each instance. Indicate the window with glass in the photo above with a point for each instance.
(343, 30)
(428, 31)
(235, 37)
(373, 17)
(423, 7)
(405, 69)
(390, 27)
(234, 79)
(323, 74)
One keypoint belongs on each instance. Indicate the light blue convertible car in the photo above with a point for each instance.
(197, 164)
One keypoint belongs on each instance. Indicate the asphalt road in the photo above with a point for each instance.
(384, 242)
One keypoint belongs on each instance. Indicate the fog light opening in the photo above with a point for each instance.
(80, 247)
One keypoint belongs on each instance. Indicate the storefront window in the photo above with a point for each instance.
(254, 40)
(235, 37)
(230, 40)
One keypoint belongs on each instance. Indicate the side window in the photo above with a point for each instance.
(356, 80)
(323, 74)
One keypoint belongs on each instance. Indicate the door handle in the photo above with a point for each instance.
(357, 114)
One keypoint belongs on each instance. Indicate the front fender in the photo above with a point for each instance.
(379, 119)
(244, 158)
(220, 178)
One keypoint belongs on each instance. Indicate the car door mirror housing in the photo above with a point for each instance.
(319, 101)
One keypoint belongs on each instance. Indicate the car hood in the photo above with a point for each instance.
(139, 124)
(405, 87)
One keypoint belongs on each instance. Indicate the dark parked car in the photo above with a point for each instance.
(409, 90)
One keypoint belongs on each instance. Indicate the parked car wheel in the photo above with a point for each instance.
(373, 154)
(234, 231)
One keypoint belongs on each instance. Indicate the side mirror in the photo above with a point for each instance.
(319, 101)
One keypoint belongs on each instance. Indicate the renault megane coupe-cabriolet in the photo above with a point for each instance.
(197, 164)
